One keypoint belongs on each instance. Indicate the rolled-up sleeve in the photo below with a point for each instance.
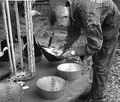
(73, 35)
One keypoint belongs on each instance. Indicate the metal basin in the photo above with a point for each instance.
(51, 87)
(56, 63)
(10, 92)
(51, 57)
(70, 71)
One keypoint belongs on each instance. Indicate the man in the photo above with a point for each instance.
(101, 20)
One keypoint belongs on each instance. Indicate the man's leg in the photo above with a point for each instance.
(102, 63)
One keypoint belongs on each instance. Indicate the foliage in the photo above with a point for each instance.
(43, 31)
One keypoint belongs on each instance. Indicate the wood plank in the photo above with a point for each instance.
(74, 89)
(55, 2)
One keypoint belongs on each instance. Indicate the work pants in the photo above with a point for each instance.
(102, 63)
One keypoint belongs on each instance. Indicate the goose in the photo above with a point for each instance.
(34, 12)
(37, 49)
(22, 11)
(24, 38)
(48, 53)
(3, 44)
(4, 56)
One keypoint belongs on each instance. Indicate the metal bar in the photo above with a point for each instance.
(29, 32)
(11, 38)
(6, 31)
(19, 34)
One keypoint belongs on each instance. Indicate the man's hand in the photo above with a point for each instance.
(68, 53)
(57, 52)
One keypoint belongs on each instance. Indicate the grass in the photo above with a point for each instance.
(42, 32)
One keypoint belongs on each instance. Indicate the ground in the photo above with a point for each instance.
(42, 33)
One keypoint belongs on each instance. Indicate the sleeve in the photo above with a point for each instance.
(94, 36)
(73, 35)
(0, 8)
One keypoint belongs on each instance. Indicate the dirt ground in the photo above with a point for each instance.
(42, 33)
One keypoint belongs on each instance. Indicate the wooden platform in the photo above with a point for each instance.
(74, 89)
(4, 69)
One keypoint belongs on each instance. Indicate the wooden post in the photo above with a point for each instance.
(19, 34)
(11, 38)
(7, 37)
(29, 32)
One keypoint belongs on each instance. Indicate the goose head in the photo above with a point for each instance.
(2, 52)
(34, 12)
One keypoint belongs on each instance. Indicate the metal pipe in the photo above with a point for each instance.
(29, 32)
(11, 38)
(6, 31)
(19, 34)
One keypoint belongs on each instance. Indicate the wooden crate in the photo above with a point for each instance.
(55, 2)
(43, 6)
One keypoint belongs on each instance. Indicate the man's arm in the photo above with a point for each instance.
(73, 35)
(94, 36)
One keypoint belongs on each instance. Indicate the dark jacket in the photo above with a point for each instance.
(97, 17)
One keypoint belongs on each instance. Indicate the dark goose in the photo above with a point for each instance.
(4, 56)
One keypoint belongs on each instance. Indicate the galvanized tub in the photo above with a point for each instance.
(56, 63)
(51, 87)
(10, 92)
(70, 71)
